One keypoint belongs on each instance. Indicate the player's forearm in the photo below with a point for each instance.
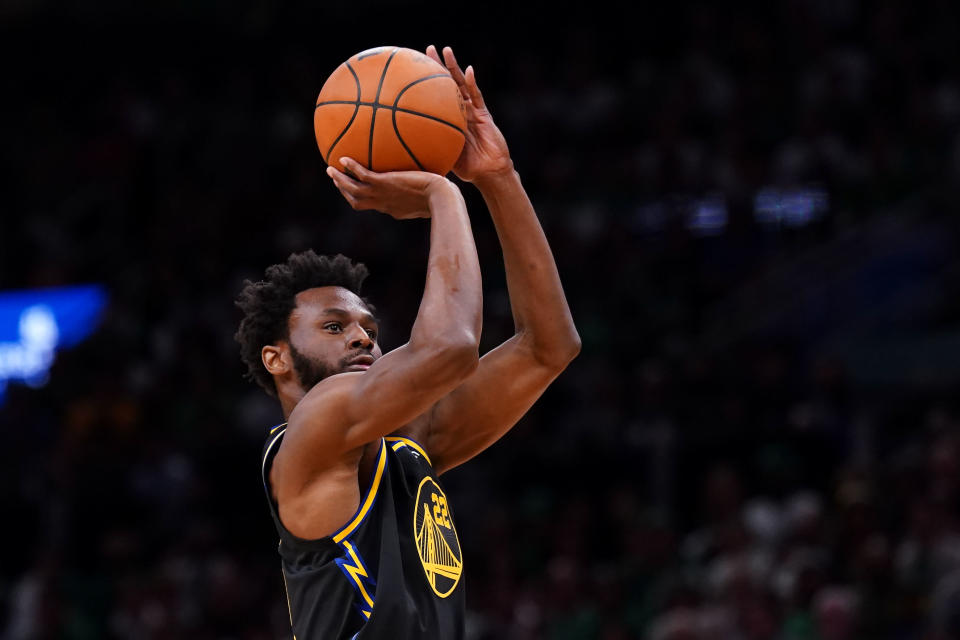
(540, 310)
(450, 312)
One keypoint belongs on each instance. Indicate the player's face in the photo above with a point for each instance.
(331, 331)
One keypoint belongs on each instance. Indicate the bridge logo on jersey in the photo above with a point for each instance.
(436, 538)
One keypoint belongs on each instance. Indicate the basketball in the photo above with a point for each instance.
(391, 109)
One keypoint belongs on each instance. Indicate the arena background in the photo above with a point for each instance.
(754, 213)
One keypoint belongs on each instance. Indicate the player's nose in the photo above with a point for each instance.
(359, 338)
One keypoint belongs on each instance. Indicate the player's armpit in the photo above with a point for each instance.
(507, 382)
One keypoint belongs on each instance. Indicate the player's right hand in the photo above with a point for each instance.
(400, 194)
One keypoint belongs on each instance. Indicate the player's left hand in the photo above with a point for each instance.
(400, 194)
(485, 152)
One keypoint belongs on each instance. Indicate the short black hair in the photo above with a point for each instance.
(267, 304)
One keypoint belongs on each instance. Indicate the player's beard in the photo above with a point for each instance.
(308, 370)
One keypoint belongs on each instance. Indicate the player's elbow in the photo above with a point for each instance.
(571, 348)
(455, 355)
(460, 356)
(560, 353)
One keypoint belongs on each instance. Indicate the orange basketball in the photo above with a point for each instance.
(391, 109)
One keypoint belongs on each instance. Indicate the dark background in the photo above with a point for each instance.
(754, 213)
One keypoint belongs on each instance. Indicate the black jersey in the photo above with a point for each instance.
(393, 571)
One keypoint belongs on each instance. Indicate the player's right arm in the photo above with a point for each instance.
(346, 411)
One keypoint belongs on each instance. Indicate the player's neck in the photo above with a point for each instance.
(289, 398)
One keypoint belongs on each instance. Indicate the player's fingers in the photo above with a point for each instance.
(348, 187)
(433, 55)
(450, 61)
(351, 200)
(473, 91)
(359, 172)
(342, 179)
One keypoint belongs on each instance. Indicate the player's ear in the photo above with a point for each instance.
(276, 358)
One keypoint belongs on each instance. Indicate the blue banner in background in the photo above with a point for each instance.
(36, 323)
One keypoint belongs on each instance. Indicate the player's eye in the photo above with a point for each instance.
(372, 333)
(334, 327)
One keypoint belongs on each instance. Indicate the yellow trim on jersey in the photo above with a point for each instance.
(266, 454)
(371, 494)
(286, 592)
(277, 427)
(400, 442)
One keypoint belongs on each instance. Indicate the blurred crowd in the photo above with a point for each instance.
(746, 207)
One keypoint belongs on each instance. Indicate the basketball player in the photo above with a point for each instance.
(368, 542)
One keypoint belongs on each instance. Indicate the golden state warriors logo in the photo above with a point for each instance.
(436, 538)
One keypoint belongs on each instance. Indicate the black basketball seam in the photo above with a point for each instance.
(395, 108)
(430, 117)
(376, 100)
(391, 108)
(356, 109)
(396, 130)
(418, 81)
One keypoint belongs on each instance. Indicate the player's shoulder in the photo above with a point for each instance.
(317, 424)
(324, 399)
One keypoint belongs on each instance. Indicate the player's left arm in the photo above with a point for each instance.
(510, 378)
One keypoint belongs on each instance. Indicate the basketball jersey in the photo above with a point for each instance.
(393, 571)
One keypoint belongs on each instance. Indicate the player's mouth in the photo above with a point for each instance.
(360, 363)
